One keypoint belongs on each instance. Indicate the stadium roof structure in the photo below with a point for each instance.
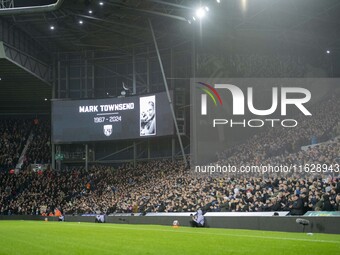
(117, 28)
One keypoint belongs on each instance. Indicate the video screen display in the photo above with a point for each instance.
(111, 118)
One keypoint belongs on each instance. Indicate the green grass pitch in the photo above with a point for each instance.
(38, 237)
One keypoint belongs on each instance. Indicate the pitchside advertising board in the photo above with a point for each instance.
(257, 112)
(111, 118)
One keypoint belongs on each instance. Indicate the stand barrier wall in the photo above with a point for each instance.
(330, 224)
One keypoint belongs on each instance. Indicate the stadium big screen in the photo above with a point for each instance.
(111, 118)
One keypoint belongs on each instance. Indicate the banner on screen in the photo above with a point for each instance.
(111, 118)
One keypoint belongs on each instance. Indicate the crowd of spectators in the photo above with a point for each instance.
(277, 145)
(13, 136)
(166, 186)
(39, 149)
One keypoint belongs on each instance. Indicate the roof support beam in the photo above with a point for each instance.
(31, 9)
(26, 62)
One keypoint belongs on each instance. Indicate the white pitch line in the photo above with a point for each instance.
(206, 233)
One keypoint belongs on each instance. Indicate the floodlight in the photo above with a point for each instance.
(200, 12)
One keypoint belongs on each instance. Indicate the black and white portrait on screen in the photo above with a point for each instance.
(147, 106)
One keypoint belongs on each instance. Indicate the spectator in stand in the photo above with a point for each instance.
(296, 208)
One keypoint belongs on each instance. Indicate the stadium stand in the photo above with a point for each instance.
(39, 149)
(13, 136)
(167, 186)
(160, 186)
